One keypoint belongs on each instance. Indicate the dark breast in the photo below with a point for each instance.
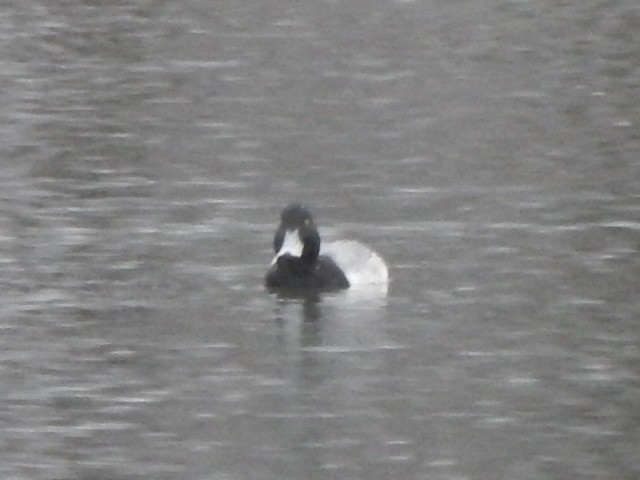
(292, 273)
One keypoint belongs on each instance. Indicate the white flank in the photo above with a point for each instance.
(361, 265)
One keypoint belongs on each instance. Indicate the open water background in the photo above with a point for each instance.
(489, 150)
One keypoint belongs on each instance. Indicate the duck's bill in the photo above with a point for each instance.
(291, 245)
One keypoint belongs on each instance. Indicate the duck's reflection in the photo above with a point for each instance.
(312, 322)
(303, 310)
(340, 321)
(334, 351)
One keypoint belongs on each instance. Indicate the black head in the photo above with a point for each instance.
(295, 216)
(296, 221)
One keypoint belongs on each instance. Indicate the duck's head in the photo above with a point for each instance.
(297, 235)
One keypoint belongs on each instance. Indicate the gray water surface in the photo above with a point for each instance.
(489, 150)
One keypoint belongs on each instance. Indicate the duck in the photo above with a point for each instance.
(303, 262)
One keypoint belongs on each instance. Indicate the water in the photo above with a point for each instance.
(488, 150)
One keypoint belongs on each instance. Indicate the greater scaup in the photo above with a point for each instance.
(301, 263)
